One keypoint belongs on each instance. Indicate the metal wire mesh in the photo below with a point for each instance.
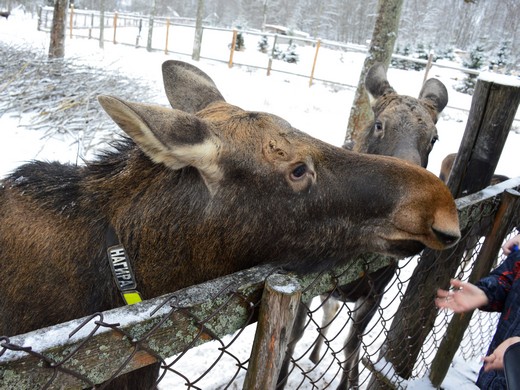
(203, 357)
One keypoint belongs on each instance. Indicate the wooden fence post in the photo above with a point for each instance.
(167, 35)
(492, 112)
(91, 26)
(270, 63)
(115, 27)
(318, 43)
(71, 20)
(232, 49)
(39, 25)
(140, 28)
(483, 264)
(280, 300)
(428, 66)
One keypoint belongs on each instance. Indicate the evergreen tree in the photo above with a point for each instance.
(290, 54)
(239, 44)
(263, 44)
(474, 61)
(422, 54)
(501, 59)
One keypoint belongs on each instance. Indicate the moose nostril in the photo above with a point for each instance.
(447, 239)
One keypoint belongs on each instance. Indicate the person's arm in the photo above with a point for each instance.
(464, 297)
(495, 361)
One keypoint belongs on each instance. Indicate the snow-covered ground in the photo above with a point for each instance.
(321, 110)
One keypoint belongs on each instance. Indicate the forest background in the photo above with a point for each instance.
(490, 27)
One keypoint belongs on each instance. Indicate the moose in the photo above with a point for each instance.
(447, 166)
(196, 191)
(403, 127)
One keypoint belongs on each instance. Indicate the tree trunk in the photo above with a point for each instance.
(150, 25)
(197, 41)
(57, 44)
(380, 50)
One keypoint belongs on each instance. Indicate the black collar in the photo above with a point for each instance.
(121, 268)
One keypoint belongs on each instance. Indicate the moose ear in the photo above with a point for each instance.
(376, 82)
(187, 87)
(171, 137)
(435, 91)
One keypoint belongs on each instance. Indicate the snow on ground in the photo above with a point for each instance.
(321, 110)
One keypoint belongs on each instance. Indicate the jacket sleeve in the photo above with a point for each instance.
(497, 284)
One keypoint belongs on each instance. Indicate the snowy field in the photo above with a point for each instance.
(320, 110)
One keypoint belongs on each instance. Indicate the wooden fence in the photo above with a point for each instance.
(161, 33)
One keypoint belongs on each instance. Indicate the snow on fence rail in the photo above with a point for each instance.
(170, 329)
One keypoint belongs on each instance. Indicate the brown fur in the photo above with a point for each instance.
(197, 194)
(447, 166)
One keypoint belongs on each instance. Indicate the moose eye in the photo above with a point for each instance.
(378, 128)
(434, 139)
(299, 171)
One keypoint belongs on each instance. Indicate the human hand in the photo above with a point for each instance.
(495, 361)
(464, 297)
(509, 244)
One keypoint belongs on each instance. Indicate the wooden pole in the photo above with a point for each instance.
(318, 43)
(167, 35)
(270, 63)
(71, 19)
(232, 51)
(280, 300)
(91, 26)
(115, 27)
(428, 66)
(485, 260)
(492, 112)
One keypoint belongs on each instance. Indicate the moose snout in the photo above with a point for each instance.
(446, 238)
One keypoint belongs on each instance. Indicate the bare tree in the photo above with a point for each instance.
(380, 50)
(150, 25)
(57, 43)
(197, 40)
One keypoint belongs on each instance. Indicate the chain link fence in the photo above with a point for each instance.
(201, 337)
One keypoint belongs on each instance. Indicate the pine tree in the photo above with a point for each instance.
(263, 44)
(420, 53)
(239, 44)
(501, 59)
(475, 61)
(290, 54)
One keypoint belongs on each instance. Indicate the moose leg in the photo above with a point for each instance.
(296, 334)
(141, 379)
(330, 307)
(363, 312)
